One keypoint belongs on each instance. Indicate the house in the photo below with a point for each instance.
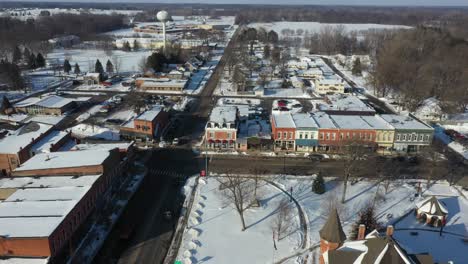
(161, 84)
(411, 134)
(283, 131)
(329, 86)
(6, 108)
(92, 78)
(16, 147)
(146, 126)
(345, 104)
(306, 137)
(328, 131)
(66, 41)
(50, 105)
(374, 248)
(221, 128)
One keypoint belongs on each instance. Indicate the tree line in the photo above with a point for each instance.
(422, 63)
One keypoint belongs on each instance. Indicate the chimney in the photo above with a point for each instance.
(390, 231)
(361, 232)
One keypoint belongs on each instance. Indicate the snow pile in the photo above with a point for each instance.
(92, 111)
(85, 130)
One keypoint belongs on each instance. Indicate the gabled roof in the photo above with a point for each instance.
(332, 231)
(432, 206)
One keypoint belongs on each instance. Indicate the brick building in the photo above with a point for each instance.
(328, 137)
(18, 146)
(50, 105)
(222, 127)
(147, 126)
(283, 131)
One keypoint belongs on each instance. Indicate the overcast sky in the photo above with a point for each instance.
(288, 2)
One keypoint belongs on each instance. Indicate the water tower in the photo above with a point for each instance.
(163, 16)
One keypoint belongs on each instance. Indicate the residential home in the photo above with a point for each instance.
(329, 86)
(222, 127)
(147, 125)
(283, 131)
(92, 78)
(411, 134)
(306, 138)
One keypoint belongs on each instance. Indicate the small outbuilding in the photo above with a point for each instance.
(432, 212)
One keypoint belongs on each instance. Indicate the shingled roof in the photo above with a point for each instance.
(332, 231)
(432, 206)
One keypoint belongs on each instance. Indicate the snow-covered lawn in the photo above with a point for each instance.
(92, 111)
(86, 58)
(84, 130)
(214, 230)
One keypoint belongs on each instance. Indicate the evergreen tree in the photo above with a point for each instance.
(109, 67)
(66, 66)
(98, 67)
(126, 46)
(40, 61)
(366, 217)
(273, 37)
(156, 61)
(357, 68)
(318, 186)
(16, 55)
(77, 69)
(136, 45)
(32, 61)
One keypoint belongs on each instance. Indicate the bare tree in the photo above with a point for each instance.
(238, 192)
(117, 62)
(257, 174)
(283, 218)
(353, 152)
(142, 67)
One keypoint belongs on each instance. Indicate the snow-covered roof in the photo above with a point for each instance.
(48, 194)
(330, 81)
(223, 114)
(350, 122)
(106, 146)
(28, 226)
(323, 120)
(66, 159)
(405, 122)
(93, 74)
(303, 120)
(35, 209)
(54, 101)
(377, 122)
(432, 206)
(22, 137)
(149, 115)
(46, 119)
(345, 102)
(48, 181)
(283, 120)
(24, 261)
(44, 145)
(27, 102)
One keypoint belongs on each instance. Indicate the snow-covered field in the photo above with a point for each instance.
(25, 13)
(86, 58)
(214, 230)
(316, 27)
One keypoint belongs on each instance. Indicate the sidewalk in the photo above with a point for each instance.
(96, 236)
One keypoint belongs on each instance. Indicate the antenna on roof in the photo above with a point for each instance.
(47, 158)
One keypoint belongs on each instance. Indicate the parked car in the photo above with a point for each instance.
(175, 142)
(162, 144)
(318, 157)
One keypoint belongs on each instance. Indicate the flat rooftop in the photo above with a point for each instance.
(44, 145)
(22, 137)
(345, 102)
(303, 120)
(149, 115)
(223, 114)
(283, 120)
(405, 122)
(323, 120)
(48, 181)
(65, 159)
(102, 146)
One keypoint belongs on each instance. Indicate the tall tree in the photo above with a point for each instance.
(109, 67)
(238, 192)
(353, 151)
(66, 66)
(266, 51)
(156, 61)
(26, 54)
(98, 67)
(357, 68)
(77, 69)
(136, 45)
(126, 46)
(273, 37)
(318, 186)
(40, 61)
(368, 218)
(17, 55)
(32, 61)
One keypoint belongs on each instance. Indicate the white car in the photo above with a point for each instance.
(162, 144)
(175, 142)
